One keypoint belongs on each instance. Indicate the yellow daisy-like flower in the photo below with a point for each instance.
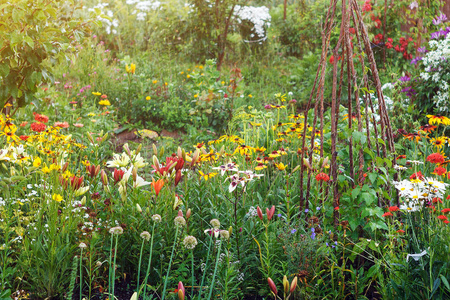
(244, 150)
(280, 166)
(131, 69)
(438, 119)
(260, 167)
(57, 197)
(207, 175)
(105, 102)
(45, 169)
(148, 98)
(96, 93)
(37, 162)
(439, 142)
(54, 167)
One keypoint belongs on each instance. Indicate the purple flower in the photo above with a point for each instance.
(441, 19)
(313, 234)
(306, 210)
(416, 60)
(279, 215)
(293, 231)
(404, 78)
(318, 208)
(267, 106)
(421, 49)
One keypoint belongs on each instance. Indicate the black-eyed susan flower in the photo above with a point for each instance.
(438, 119)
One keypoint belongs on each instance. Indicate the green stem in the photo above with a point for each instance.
(139, 267)
(206, 264)
(149, 263)
(81, 274)
(110, 260)
(170, 264)
(114, 268)
(192, 260)
(215, 270)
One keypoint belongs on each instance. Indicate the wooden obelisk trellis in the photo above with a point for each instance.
(350, 12)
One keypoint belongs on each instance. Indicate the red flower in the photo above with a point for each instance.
(331, 59)
(336, 208)
(401, 156)
(118, 175)
(445, 210)
(436, 200)
(397, 48)
(390, 40)
(448, 197)
(389, 45)
(439, 171)
(323, 177)
(435, 158)
(352, 30)
(24, 137)
(38, 127)
(270, 212)
(417, 175)
(442, 217)
(387, 214)
(393, 208)
(41, 118)
(446, 221)
(400, 231)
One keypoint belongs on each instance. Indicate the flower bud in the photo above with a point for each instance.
(293, 284)
(180, 213)
(178, 177)
(104, 177)
(188, 213)
(181, 291)
(127, 149)
(161, 152)
(306, 163)
(139, 209)
(285, 284)
(64, 168)
(230, 230)
(90, 138)
(104, 137)
(155, 150)
(179, 152)
(260, 214)
(138, 149)
(272, 286)
(270, 212)
(83, 200)
(134, 174)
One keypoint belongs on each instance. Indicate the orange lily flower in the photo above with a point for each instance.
(157, 185)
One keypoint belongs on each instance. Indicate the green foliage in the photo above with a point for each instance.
(31, 34)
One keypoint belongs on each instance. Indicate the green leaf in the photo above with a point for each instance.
(445, 282)
(4, 70)
(356, 192)
(29, 41)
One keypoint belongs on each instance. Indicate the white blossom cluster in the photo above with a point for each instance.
(142, 7)
(415, 192)
(109, 25)
(433, 63)
(258, 16)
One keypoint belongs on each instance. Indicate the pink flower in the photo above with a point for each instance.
(79, 125)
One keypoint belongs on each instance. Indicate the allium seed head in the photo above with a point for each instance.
(190, 242)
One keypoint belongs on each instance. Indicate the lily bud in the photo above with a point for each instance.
(104, 177)
(295, 169)
(127, 149)
(90, 138)
(134, 174)
(64, 168)
(260, 214)
(180, 213)
(230, 230)
(195, 157)
(183, 154)
(270, 212)
(272, 286)
(104, 137)
(161, 152)
(285, 284)
(156, 163)
(204, 151)
(155, 150)
(83, 200)
(306, 163)
(177, 177)
(139, 209)
(188, 213)
(179, 152)
(181, 291)
(138, 149)
(325, 162)
(293, 284)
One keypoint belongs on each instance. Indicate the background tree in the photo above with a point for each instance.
(33, 35)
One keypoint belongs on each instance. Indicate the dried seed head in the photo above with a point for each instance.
(190, 242)
(180, 221)
(156, 218)
(145, 235)
(215, 223)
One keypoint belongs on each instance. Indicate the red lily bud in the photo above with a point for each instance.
(76, 182)
(272, 286)
(63, 181)
(118, 175)
(180, 213)
(181, 291)
(270, 212)
(177, 177)
(293, 284)
(260, 214)
(188, 213)
(180, 164)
